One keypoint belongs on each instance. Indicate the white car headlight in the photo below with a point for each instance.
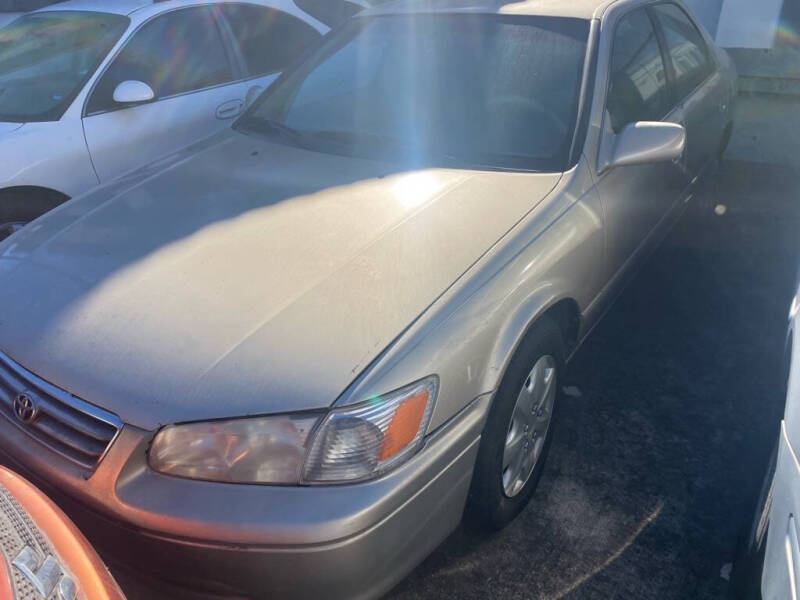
(352, 443)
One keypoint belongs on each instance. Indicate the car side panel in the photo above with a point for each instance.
(636, 198)
(674, 180)
(782, 558)
(704, 121)
(50, 155)
(123, 140)
(780, 565)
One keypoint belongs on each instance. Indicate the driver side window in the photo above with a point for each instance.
(178, 52)
(638, 86)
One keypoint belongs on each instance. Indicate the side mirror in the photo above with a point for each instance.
(133, 92)
(648, 142)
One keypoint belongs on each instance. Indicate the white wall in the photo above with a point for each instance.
(748, 23)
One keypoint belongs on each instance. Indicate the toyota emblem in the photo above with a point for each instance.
(25, 408)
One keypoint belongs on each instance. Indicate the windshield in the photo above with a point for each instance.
(45, 59)
(481, 90)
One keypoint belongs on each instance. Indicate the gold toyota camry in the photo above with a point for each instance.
(287, 360)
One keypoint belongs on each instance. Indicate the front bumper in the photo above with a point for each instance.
(346, 541)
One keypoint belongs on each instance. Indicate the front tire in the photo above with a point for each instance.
(516, 437)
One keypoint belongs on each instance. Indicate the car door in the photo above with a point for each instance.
(636, 198)
(181, 55)
(699, 88)
(781, 572)
(265, 41)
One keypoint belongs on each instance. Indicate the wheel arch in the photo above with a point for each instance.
(23, 204)
(34, 190)
(562, 308)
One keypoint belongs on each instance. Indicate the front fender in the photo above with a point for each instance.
(524, 316)
(469, 336)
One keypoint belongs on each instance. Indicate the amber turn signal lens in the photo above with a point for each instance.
(364, 440)
(404, 425)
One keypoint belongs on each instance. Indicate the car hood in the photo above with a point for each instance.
(7, 127)
(241, 276)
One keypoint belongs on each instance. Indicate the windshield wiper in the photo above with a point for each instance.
(353, 138)
(282, 129)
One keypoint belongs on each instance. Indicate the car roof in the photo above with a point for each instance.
(583, 9)
(118, 7)
(128, 7)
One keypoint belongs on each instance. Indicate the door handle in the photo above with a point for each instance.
(229, 109)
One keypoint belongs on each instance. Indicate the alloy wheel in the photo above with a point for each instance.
(529, 425)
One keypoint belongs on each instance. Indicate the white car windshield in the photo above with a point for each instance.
(46, 58)
(478, 90)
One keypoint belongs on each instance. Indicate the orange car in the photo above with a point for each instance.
(43, 556)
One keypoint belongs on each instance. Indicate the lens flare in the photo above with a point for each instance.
(788, 34)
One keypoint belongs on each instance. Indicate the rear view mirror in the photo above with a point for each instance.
(133, 92)
(648, 142)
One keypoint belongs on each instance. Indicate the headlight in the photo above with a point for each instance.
(263, 450)
(351, 443)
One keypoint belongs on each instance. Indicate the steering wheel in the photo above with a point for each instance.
(529, 104)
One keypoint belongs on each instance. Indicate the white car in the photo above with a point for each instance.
(768, 565)
(91, 89)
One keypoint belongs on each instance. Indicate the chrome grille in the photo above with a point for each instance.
(67, 425)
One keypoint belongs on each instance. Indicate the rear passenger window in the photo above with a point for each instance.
(687, 49)
(268, 38)
(330, 12)
(638, 86)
